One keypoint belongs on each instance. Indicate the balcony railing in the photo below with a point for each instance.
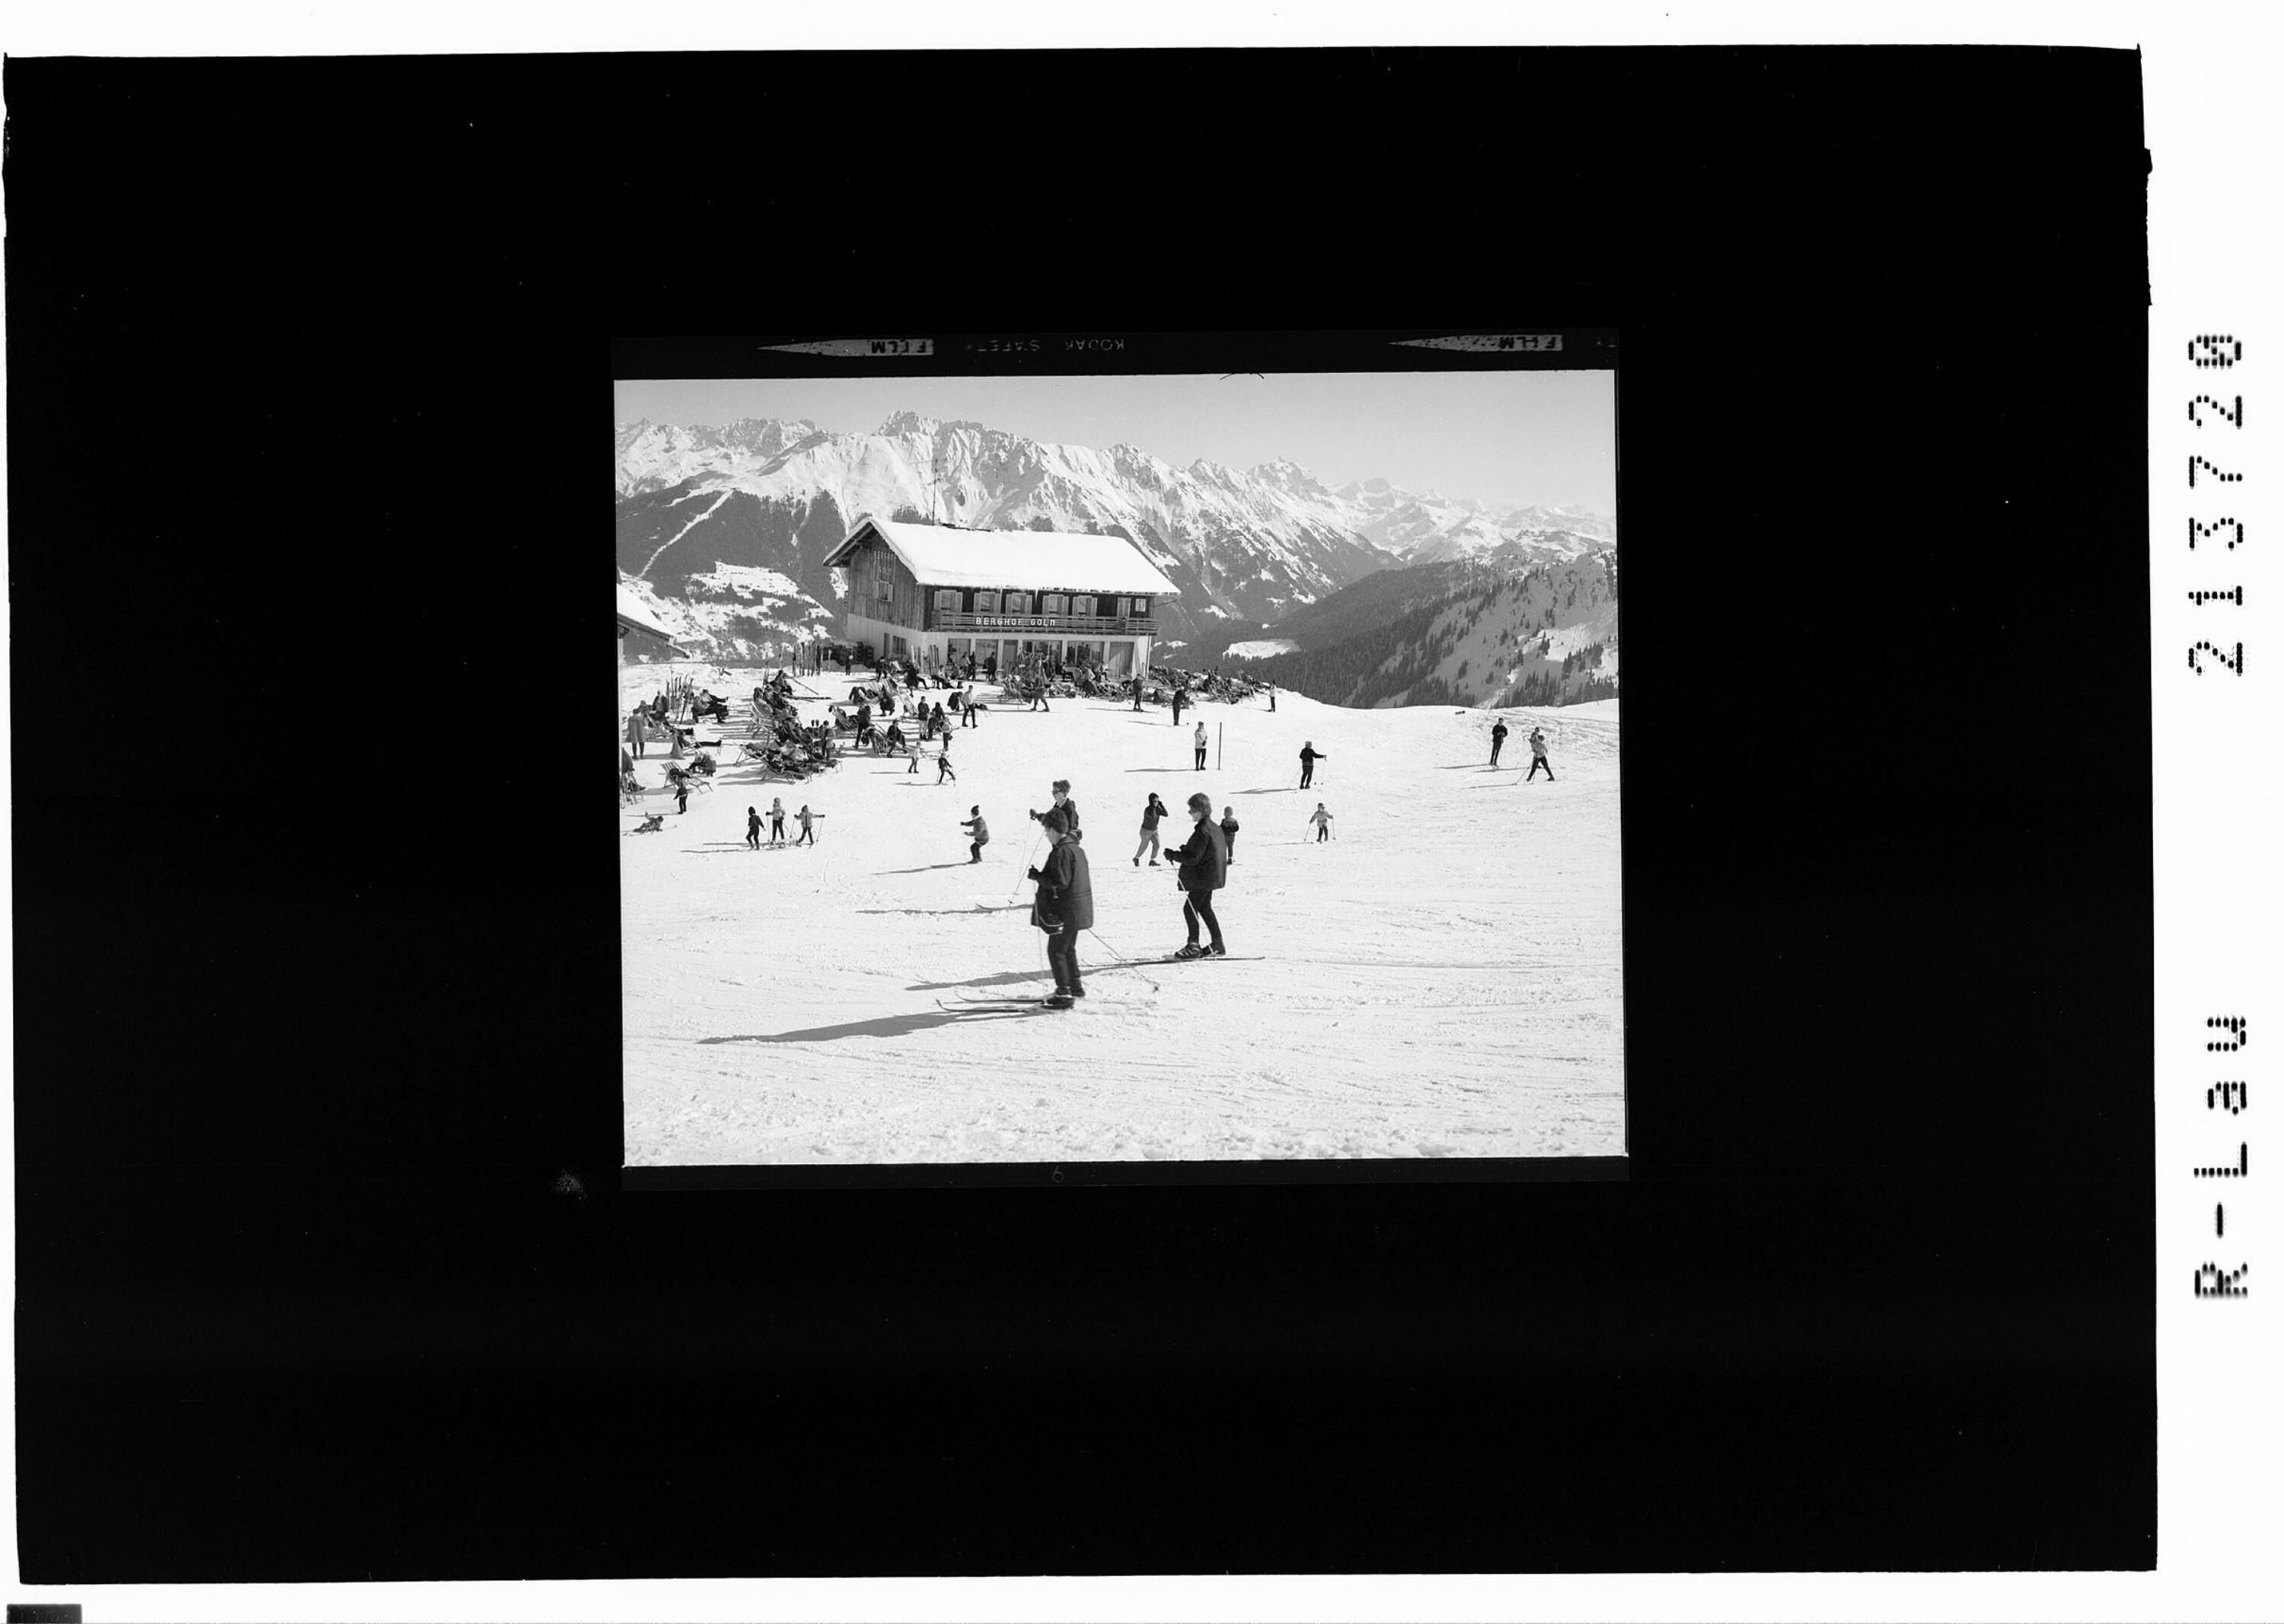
(1062, 625)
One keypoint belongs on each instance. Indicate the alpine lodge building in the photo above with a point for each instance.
(934, 593)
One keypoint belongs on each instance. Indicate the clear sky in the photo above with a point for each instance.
(1500, 437)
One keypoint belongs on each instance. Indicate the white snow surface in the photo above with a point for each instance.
(1442, 979)
(1259, 648)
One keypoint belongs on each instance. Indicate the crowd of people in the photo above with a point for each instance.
(1063, 904)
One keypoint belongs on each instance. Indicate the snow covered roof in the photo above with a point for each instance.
(939, 556)
(631, 612)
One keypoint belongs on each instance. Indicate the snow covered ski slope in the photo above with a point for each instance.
(1442, 979)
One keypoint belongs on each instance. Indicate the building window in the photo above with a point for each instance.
(1019, 603)
(987, 603)
(947, 597)
(1055, 604)
(1138, 607)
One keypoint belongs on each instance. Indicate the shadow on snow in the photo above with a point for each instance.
(884, 1025)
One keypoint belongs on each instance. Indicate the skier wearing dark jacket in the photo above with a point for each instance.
(1063, 907)
(1068, 808)
(1310, 756)
(978, 834)
(1204, 868)
(1498, 737)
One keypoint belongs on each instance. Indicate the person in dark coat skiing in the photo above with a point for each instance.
(1310, 756)
(1498, 737)
(1063, 907)
(978, 834)
(1063, 804)
(1228, 834)
(1204, 868)
(1153, 809)
(1538, 757)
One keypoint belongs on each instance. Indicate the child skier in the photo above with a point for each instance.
(1229, 833)
(943, 761)
(1153, 809)
(777, 820)
(1323, 823)
(1198, 745)
(807, 834)
(753, 829)
(978, 834)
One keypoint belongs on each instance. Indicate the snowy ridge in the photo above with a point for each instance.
(1252, 545)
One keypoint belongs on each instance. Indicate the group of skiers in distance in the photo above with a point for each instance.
(1062, 905)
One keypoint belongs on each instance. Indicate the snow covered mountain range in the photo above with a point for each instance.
(703, 508)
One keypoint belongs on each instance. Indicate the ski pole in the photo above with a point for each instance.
(1020, 879)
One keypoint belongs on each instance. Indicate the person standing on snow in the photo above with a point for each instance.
(807, 834)
(753, 829)
(1323, 823)
(635, 731)
(1198, 745)
(1153, 809)
(978, 834)
(1204, 868)
(777, 820)
(1063, 804)
(1310, 756)
(1063, 907)
(943, 761)
(1498, 737)
(1228, 834)
(1538, 757)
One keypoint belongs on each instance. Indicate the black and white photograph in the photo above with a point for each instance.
(1122, 768)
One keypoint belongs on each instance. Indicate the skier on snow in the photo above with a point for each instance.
(807, 834)
(978, 834)
(1153, 809)
(1538, 757)
(1063, 907)
(1310, 756)
(1204, 868)
(777, 820)
(1323, 821)
(1063, 802)
(1197, 744)
(1229, 833)
(753, 829)
(1498, 737)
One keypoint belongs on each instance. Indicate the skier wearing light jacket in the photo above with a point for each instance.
(1063, 907)
(1153, 809)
